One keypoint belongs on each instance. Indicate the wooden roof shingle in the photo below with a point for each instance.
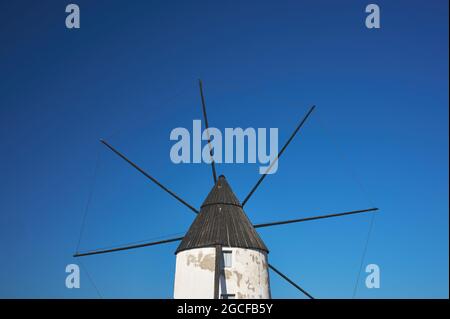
(221, 221)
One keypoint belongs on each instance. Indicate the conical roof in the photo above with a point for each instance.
(221, 221)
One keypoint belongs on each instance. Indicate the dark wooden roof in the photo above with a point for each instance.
(221, 221)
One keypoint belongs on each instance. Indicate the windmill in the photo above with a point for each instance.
(221, 255)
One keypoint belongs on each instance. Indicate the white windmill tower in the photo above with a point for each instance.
(221, 255)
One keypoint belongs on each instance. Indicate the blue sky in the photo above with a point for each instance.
(379, 137)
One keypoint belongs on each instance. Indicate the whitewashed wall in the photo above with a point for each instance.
(194, 274)
(248, 276)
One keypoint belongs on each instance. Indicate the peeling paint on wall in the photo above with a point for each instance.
(203, 261)
(239, 277)
(247, 277)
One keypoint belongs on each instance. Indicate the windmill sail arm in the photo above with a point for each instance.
(217, 271)
(110, 250)
(290, 281)
(213, 165)
(290, 221)
(154, 180)
(299, 126)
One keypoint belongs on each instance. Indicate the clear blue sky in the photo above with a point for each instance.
(378, 138)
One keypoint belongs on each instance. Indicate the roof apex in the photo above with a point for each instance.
(221, 193)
